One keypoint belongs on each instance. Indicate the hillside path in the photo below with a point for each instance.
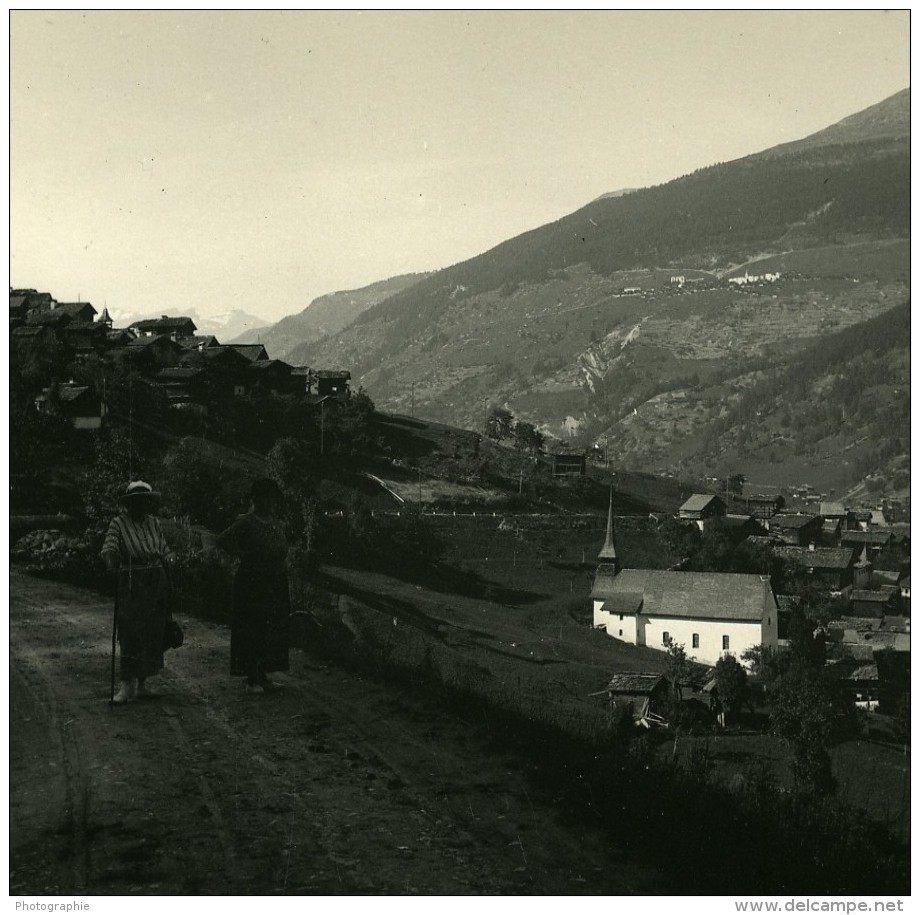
(337, 785)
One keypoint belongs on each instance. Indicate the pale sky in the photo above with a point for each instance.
(162, 160)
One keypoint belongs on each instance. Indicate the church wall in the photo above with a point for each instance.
(619, 625)
(741, 636)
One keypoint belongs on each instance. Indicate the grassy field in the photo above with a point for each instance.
(872, 776)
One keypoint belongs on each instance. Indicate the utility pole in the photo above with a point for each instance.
(322, 427)
(420, 490)
(521, 481)
(413, 398)
(606, 451)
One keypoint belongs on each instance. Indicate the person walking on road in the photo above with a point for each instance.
(260, 625)
(136, 551)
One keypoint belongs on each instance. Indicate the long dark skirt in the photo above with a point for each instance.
(260, 627)
(142, 611)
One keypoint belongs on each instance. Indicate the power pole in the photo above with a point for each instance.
(521, 481)
(322, 427)
(413, 398)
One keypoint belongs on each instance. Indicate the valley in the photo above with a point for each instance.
(639, 321)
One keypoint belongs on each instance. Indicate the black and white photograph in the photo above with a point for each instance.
(460, 453)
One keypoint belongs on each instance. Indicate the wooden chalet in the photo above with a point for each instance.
(18, 309)
(184, 385)
(832, 511)
(701, 507)
(859, 681)
(164, 326)
(32, 300)
(873, 540)
(796, 530)
(859, 519)
(198, 341)
(900, 538)
(567, 464)
(879, 602)
(306, 379)
(763, 504)
(150, 353)
(254, 352)
(81, 404)
(332, 382)
(739, 527)
(79, 312)
(85, 339)
(831, 529)
(833, 567)
(33, 337)
(273, 375)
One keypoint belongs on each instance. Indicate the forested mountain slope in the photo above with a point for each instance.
(579, 323)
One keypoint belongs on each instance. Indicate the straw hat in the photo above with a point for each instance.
(138, 489)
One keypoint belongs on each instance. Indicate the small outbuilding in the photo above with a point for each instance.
(645, 693)
(566, 464)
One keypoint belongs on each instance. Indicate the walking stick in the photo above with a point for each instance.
(114, 636)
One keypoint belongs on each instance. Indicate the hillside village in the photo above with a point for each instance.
(856, 564)
(165, 351)
(854, 559)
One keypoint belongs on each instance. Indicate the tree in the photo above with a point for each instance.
(810, 711)
(117, 461)
(735, 483)
(528, 438)
(499, 423)
(766, 664)
(195, 484)
(349, 424)
(802, 642)
(716, 550)
(682, 539)
(292, 466)
(731, 683)
(131, 397)
(677, 668)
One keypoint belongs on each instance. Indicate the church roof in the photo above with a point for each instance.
(696, 595)
(608, 553)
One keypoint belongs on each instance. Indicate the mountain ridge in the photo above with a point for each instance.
(577, 323)
(328, 314)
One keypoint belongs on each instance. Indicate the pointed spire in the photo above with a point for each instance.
(608, 553)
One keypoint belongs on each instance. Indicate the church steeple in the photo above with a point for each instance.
(608, 553)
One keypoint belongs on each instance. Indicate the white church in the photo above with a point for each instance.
(710, 613)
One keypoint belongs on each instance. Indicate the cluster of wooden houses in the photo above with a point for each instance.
(713, 614)
(837, 546)
(191, 369)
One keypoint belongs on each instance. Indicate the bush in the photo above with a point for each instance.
(194, 485)
(73, 559)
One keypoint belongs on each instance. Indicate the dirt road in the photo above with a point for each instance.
(337, 785)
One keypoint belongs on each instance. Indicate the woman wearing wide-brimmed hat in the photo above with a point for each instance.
(136, 550)
(261, 603)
